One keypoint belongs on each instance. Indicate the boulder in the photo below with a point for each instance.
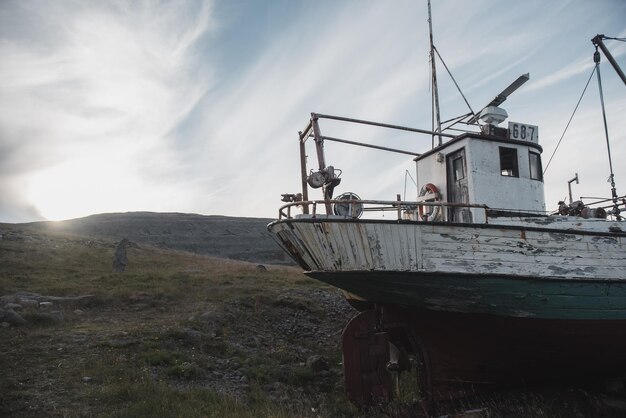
(120, 260)
(13, 317)
(317, 363)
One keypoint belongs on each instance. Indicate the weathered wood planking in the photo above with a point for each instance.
(391, 246)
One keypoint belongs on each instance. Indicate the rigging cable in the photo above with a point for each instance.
(455, 83)
(570, 121)
(406, 173)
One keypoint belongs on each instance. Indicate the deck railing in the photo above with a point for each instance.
(405, 210)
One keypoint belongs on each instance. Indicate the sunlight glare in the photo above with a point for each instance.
(82, 187)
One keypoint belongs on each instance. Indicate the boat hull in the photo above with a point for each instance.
(509, 296)
(516, 271)
(479, 306)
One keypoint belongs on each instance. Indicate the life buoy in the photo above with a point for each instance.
(430, 213)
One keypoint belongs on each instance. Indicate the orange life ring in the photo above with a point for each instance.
(430, 213)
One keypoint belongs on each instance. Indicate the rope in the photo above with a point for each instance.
(570, 121)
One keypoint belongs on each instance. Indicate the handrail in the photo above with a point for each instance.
(399, 206)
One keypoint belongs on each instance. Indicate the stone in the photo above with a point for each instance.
(5, 325)
(140, 297)
(7, 299)
(122, 342)
(120, 259)
(13, 317)
(58, 315)
(317, 363)
(87, 379)
(45, 305)
(79, 312)
(47, 318)
(261, 268)
(27, 302)
(617, 404)
(14, 306)
(191, 336)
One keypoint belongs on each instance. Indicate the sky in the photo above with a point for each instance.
(195, 106)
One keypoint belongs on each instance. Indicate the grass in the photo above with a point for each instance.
(177, 334)
(184, 335)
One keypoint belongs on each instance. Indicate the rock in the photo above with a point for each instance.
(120, 260)
(78, 312)
(13, 306)
(212, 324)
(191, 336)
(617, 404)
(122, 342)
(81, 300)
(45, 305)
(13, 317)
(87, 379)
(187, 336)
(317, 363)
(45, 318)
(140, 297)
(261, 268)
(5, 325)
(58, 315)
(472, 413)
(27, 301)
(7, 299)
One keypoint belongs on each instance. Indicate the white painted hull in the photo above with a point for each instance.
(533, 248)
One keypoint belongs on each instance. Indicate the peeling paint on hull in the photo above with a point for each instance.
(516, 271)
(486, 294)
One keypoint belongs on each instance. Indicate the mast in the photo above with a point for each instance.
(597, 41)
(435, 96)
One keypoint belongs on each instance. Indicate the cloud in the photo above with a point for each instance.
(195, 106)
(99, 87)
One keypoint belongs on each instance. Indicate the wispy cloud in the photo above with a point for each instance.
(116, 106)
(86, 105)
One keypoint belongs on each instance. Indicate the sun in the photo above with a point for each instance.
(82, 187)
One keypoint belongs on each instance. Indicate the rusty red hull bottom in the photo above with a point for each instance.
(463, 354)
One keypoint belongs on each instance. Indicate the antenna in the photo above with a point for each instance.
(504, 94)
(435, 99)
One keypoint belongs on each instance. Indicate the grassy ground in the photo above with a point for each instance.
(183, 335)
(176, 334)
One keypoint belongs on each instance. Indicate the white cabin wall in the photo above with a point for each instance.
(498, 191)
(429, 170)
(486, 185)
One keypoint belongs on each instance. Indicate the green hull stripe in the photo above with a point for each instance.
(538, 298)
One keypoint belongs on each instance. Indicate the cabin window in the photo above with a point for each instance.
(508, 162)
(459, 170)
(535, 166)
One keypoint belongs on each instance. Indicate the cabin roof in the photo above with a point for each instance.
(491, 138)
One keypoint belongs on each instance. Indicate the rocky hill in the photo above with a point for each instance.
(244, 239)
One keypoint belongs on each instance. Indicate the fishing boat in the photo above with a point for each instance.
(472, 283)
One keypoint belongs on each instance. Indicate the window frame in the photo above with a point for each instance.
(454, 168)
(539, 166)
(513, 158)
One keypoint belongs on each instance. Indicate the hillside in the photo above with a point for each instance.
(244, 239)
(191, 335)
(176, 334)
